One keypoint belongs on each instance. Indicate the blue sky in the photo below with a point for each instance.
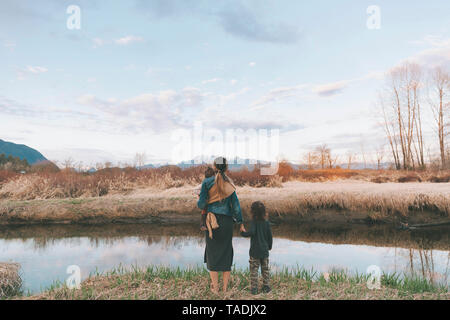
(138, 70)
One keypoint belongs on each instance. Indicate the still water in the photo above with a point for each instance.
(45, 252)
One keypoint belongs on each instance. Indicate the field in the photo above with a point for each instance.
(169, 283)
(166, 195)
(338, 201)
(68, 183)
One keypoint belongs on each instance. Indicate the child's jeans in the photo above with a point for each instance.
(254, 266)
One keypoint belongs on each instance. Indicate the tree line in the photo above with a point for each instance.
(11, 163)
(409, 90)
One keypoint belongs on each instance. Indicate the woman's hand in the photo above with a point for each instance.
(242, 228)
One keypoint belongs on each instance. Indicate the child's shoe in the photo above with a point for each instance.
(266, 289)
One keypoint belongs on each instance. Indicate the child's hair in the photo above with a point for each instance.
(209, 172)
(258, 210)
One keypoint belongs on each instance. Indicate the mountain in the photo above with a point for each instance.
(233, 163)
(22, 151)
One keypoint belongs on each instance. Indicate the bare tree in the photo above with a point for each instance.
(80, 166)
(363, 152)
(402, 119)
(68, 163)
(311, 160)
(440, 105)
(139, 159)
(379, 152)
(323, 154)
(350, 158)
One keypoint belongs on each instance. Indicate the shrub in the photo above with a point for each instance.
(439, 179)
(409, 178)
(380, 179)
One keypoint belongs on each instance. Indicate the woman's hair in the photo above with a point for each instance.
(221, 164)
(258, 210)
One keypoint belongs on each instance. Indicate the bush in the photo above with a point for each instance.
(380, 180)
(410, 178)
(439, 179)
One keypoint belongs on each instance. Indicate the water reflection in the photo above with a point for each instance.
(422, 262)
(45, 252)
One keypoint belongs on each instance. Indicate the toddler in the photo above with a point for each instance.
(260, 235)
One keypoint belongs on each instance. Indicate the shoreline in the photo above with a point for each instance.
(437, 238)
(166, 283)
(10, 280)
(350, 202)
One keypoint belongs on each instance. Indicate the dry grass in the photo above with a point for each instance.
(342, 200)
(10, 281)
(175, 284)
(71, 184)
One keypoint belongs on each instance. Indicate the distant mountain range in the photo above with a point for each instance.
(22, 151)
(233, 164)
(33, 156)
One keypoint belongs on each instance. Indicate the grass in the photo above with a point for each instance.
(10, 280)
(69, 183)
(166, 192)
(332, 201)
(162, 283)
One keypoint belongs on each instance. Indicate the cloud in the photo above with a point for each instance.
(282, 94)
(223, 100)
(148, 111)
(98, 42)
(437, 54)
(220, 117)
(15, 108)
(252, 64)
(277, 95)
(36, 69)
(333, 88)
(242, 22)
(234, 17)
(211, 80)
(10, 45)
(128, 40)
(30, 70)
(225, 123)
(330, 89)
(233, 82)
(12, 107)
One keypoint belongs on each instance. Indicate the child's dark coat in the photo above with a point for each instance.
(261, 239)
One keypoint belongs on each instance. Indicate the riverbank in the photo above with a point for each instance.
(346, 201)
(10, 281)
(175, 284)
(437, 238)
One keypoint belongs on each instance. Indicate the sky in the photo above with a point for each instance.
(139, 76)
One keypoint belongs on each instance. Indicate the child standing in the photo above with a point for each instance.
(260, 235)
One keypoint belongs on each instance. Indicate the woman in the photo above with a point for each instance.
(219, 196)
